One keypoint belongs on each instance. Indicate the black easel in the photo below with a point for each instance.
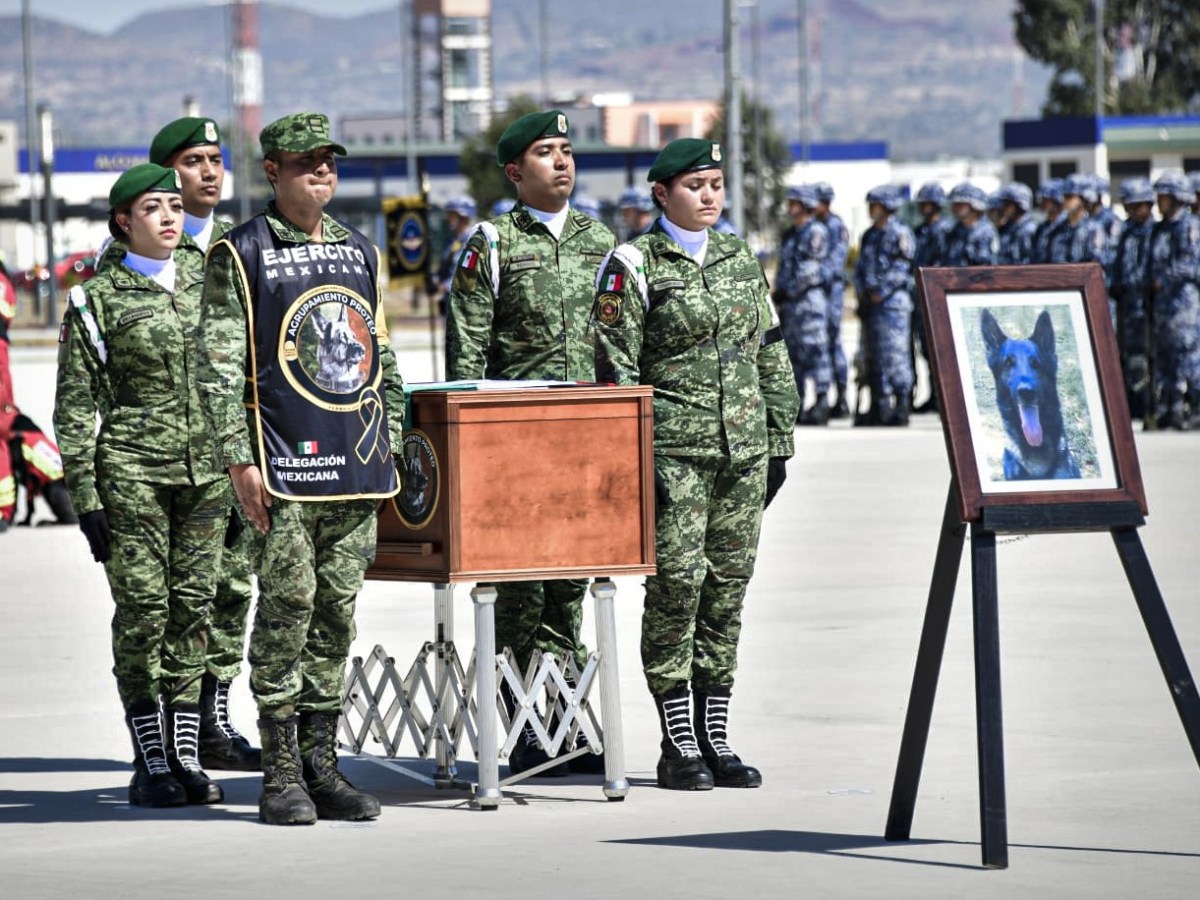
(1122, 519)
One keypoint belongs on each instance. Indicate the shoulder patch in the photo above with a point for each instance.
(608, 308)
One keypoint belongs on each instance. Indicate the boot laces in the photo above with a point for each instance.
(148, 732)
(716, 725)
(677, 715)
(221, 710)
(187, 740)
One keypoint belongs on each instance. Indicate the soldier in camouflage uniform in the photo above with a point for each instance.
(150, 499)
(1127, 281)
(881, 281)
(519, 305)
(1080, 238)
(835, 293)
(930, 236)
(686, 309)
(298, 379)
(973, 240)
(1173, 275)
(802, 304)
(1050, 203)
(1016, 234)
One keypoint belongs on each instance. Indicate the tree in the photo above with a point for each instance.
(764, 177)
(1151, 53)
(477, 160)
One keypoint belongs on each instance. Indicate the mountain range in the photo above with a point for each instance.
(930, 77)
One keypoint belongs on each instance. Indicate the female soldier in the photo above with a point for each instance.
(150, 500)
(686, 309)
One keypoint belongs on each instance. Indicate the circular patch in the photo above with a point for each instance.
(608, 308)
(411, 242)
(327, 347)
(420, 480)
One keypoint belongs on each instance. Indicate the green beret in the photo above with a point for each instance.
(298, 133)
(527, 129)
(140, 180)
(685, 155)
(193, 131)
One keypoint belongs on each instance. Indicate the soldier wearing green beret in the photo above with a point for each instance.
(192, 146)
(519, 304)
(150, 498)
(687, 309)
(298, 380)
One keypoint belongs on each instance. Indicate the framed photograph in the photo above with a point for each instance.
(1030, 387)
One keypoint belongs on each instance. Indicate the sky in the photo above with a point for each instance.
(105, 16)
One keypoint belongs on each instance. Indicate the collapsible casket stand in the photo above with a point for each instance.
(576, 463)
(1122, 519)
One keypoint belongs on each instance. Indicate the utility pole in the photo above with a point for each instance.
(30, 136)
(411, 69)
(47, 144)
(1099, 61)
(733, 120)
(805, 111)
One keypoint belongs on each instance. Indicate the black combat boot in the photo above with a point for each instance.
(817, 414)
(527, 753)
(284, 799)
(841, 409)
(680, 768)
(152, 784)
(221, 745)
(335, 797)
(588, 763)
(182, 722)
(712, 729)
(899, 412)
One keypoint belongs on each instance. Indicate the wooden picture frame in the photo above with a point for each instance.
(1029, 386)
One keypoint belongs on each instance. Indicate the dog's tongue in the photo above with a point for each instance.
(1031, 424)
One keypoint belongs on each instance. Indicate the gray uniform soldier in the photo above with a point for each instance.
(298, 379)
(687, 309)
(519, 306)
(192, 146)
(150, 499)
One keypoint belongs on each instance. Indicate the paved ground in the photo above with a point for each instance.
(1103, 790)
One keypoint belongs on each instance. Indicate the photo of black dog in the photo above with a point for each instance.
(1026, 375)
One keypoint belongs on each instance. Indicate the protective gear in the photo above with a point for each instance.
(969, 194)
(153, 784)
(1019, 194)
(183, 733)
(824, 191)
(886, 196)
(1175, 184)
(587, 205)
(221, 745)
(1051, 190)
(680, 767)
(94, 526)
(332, 793)
(284, 799)
(712, 731)
(1080, 186)
(503, 205)
(464, 206)
(1136, 190)
(776, 476)
(633, 198)
(932, 192)
(804, 194)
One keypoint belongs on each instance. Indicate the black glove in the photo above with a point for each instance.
(776, 476)
(234, 529)
(661, 497)
(94, 526)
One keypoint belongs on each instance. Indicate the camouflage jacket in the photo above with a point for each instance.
(804, 262)
(884, 264)
(839, 250)
(127, 351)
(1078, 242)
(1016, 241)
(972, 245)
(931, 240)
(225, 376)
(1127, 277)
(520, 299)
(696, 333)
(1173, 266)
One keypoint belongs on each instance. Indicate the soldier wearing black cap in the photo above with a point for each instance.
(519, 304)
(150, 500)
(192, 146)
(300, 384)
(687, 309)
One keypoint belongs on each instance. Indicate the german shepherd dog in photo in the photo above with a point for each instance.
(1026, 374)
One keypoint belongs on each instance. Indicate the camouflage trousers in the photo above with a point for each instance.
(806, 331)
(310, 568)
(707, 540)
(1177, 344)
(888, 331)
(166, 551)
(835, 308)
(541, 615)
(230, 607)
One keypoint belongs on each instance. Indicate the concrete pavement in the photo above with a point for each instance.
(1103, 790)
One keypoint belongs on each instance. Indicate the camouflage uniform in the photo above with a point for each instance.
(311, 563)
(1128, 290)
(1173, 271)
(518, 307)
(1077, 242)
(972, 245)
(835, 292)
(803, 306)
(127, 351)
(1016, 241)
(884, 270)
(723, 403)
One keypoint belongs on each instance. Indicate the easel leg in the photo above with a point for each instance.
(993, 815)
(1162, 634)
(925, 676)
(616, 786)
(488, 794)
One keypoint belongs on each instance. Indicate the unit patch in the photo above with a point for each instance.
(608, 308)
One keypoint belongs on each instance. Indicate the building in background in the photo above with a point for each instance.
(454, 61)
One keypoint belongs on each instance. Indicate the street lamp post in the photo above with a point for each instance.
(733, 119)
(47, 132)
